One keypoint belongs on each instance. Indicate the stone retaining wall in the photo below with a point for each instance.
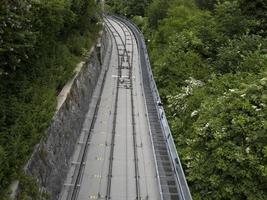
(51, 159)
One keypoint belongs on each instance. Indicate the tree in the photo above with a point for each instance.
(245, 54)
(156, 11)
(206, 4)
(226, 152)
(16, 36)
(230, 19)
(210, 68)
(40, 44)
(256, 10)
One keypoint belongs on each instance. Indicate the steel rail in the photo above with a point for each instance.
(132, 35)
(137, 178)
(123, 43)
(146, 110)
(114, 121)
(74, 192)
(99, 195)
(130, 63)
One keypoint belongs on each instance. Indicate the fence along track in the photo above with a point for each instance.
(130, 64)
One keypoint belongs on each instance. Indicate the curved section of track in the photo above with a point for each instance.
(116, 161)
(171, 178)
(126, 150)
(126, 58)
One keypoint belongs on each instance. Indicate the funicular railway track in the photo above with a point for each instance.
(125, 154)
(127, 58)
(127, 33)
(124, 48)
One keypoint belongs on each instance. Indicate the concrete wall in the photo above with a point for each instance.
(51, 159)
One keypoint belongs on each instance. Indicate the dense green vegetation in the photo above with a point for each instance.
(210, 62)
(40, 44)
(128, 8)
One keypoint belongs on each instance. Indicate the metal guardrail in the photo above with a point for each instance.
(182, 183)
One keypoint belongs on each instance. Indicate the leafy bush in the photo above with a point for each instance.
(228, 110)
(244, 54)
(128, 8)
(228, 141)
(210, 68)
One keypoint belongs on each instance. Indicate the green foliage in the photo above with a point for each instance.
(128, 8)
(210, 67)
(244, 54)
(15, 38)
(206, 4)
(183, 42)
(29, 189)
(40, 44)
(230, 19)
(255, 10)
(223, 124)
(228, 140)
(117, 6)
(156, 11)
